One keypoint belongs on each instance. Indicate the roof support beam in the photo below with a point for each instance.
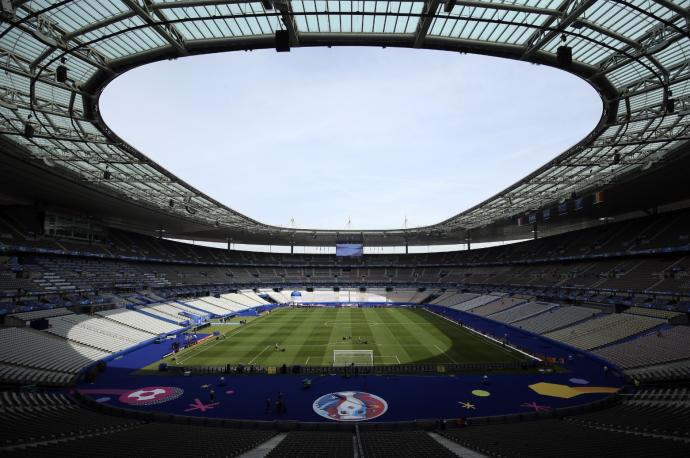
(52, 35)
(168, 33)
(13, 63)
(491, 5)
(285, 9)
(98, 25)
(22, 100)
(652, 38)
(572, 10)
(673, 7)
(609, 33)
(430, 7)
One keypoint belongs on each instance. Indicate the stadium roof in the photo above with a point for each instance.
(635, 53)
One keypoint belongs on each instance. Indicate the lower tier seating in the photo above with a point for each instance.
(557, 438)
(154, 440)
(604, 330)
(658, 347)
(308, 444)
(402, 444)
(49, 425)
(522, 311)
(38, 350)
(678, 370)
(555, 319)
(654, 416)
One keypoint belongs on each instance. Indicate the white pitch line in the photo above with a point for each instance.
(202, 347)
(262, 352)
(307, 362)
(397, 359)
(447, 356)
(497, 342)
(205, 346)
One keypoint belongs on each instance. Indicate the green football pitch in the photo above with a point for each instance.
(309, 336)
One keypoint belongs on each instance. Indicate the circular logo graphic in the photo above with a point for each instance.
(350, 406)
(481, 393)
(150, 395)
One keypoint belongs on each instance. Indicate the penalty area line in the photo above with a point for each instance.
(262, 352)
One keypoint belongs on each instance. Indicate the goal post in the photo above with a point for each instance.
(357, 357)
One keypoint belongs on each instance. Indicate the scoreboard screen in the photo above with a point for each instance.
(349, 249)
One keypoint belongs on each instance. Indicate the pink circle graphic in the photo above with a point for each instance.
(150, 395)
(350, 406)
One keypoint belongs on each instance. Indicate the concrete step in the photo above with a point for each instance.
(264, 448)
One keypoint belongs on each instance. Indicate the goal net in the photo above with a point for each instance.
(356, 357)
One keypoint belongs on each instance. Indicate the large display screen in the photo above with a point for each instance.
(349, 249)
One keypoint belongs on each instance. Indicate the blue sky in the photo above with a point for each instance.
(322, 135)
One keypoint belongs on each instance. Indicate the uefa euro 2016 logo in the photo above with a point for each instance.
(350, 406)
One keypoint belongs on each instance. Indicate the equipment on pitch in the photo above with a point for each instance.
(343, 358)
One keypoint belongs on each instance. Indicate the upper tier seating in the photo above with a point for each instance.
(37, 314)
(555, 319)
(604, 330)
(665, 346)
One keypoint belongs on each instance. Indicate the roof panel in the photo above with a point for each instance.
(638, 45)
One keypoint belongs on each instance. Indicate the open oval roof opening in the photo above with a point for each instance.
(340, 138)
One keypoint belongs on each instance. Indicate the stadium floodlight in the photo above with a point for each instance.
(564, 54)
(342, 358)
(670, 105)
(61, 72)
(282, 41)
(29, 129)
